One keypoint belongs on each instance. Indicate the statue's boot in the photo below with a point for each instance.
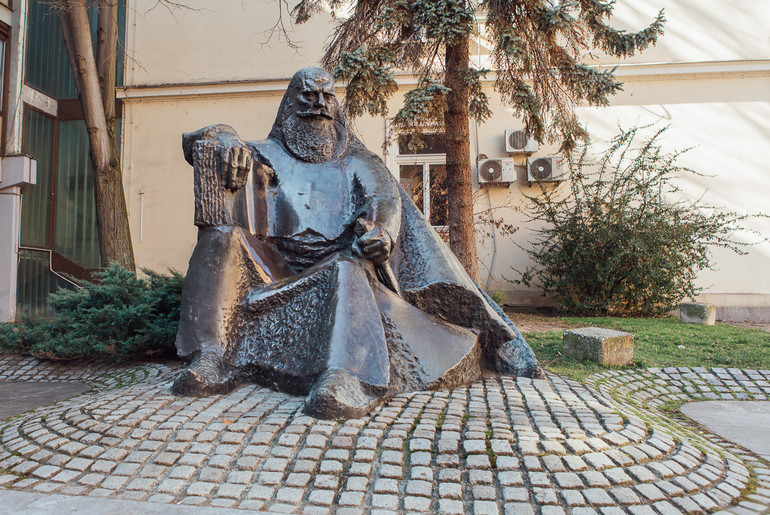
(515, 357)
(208, 374)
(338, 395)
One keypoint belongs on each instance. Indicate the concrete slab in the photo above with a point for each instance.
(741, 422)
(29, 503)
(18, 397)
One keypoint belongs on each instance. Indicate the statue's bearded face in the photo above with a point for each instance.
(316, 98)
(313, 127)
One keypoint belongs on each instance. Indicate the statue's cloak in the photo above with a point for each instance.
(292, 300)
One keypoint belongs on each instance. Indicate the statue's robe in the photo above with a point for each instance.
(284, 298)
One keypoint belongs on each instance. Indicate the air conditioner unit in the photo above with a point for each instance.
(545, 169)
(519, 142)
(496, 171)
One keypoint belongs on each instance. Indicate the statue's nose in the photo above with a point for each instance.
(320, 101)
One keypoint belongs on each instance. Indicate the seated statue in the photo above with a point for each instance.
(315, 274)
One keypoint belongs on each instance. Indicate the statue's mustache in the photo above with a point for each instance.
(311, 113)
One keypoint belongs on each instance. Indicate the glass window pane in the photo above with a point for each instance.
(432, 144)
(36, 201)
(44, 48)
(48, 68)
(75, 234)
(410, 177)
(34, 283)
(439, 196)
(2, 68)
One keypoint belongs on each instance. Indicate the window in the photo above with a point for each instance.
(422, 174)
(5, 32)
(58, 221)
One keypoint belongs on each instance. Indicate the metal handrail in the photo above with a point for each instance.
(50, 264)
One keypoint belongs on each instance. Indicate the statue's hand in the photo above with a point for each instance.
(372, 241)
(236, 159)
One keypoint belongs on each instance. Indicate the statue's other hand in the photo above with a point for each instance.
(372, 241)
(236, 162)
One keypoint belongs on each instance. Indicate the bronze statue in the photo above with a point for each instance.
(315, 274)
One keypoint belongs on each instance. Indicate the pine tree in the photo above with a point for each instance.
(537, 48)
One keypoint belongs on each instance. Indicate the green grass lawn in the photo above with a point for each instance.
(661, 342)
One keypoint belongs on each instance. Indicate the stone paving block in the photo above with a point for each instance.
(618, 476)
(360, 469)
(143, 484)
(575, 463)
(385, 501)
(568, 480)
(289, 495)
(326, 481)
(421, 473)
(484, 492)
(80, 464)
(114, 482)
(351, 499)
(65, 476)
(485, 508)
(419, 488)
(577, 446)
(417, 504)
(545, 496)
(192, 459)
(45, 472)
(507, 463)
(553, 463)
(594, 478)
(172, 486)
(478, 461)
(450, 507)
(598, 497)
(532, 463)
(450, 491)
(641, 474)
(598, 460)
(686, 485)
(91, 479)
(388, 486)
(650, 492)
(518, 508)
(625, 495)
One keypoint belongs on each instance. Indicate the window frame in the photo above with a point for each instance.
(5, 35)
(396, 160)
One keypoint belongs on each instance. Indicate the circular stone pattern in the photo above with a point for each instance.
(499, 445)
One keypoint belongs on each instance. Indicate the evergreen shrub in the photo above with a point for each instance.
(120, 316)
(616, 238)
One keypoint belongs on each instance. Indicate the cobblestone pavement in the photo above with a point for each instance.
(500, 445)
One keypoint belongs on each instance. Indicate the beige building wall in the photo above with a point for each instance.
(709, 78)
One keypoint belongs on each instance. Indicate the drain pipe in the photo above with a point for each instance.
(478, 153)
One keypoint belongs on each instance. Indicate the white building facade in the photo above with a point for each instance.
(224, 62)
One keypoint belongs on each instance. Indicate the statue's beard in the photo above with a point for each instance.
(313, 140)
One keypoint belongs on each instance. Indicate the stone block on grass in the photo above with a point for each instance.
(599, 345)
(697, 313)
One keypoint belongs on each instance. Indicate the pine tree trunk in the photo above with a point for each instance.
(462, 238)
(97, 101)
